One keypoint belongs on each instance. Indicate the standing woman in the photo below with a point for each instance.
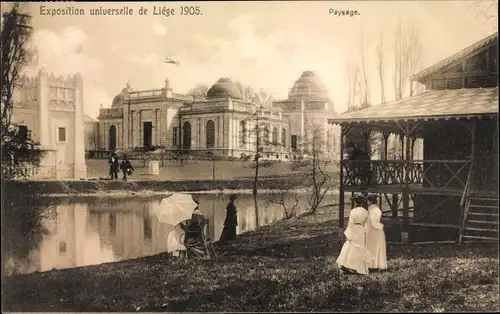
(231, 221)
(354, 255)
(375, 242)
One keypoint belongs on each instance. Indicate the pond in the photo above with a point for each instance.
(94, 230)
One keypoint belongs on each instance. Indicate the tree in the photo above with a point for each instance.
(259, 132)
(20, 153)
(199, 91)
(486, 11)
(407, 54)
(352, 70)
(380, 57)
(318, 175)
(363, 82)
(247, 93)
(289, 209)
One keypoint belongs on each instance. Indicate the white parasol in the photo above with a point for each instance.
(175, 209)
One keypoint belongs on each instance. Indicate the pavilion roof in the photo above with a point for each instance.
(453, 59)
(432, 104)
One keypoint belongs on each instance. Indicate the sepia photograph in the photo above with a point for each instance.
(250, 156)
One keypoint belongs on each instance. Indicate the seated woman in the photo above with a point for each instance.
(194, 239)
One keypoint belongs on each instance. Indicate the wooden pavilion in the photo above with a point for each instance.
(454, 189)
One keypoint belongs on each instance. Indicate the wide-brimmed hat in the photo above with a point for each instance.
(372, 197)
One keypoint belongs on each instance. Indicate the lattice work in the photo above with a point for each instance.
(434, 173)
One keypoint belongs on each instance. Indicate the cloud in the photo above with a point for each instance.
(66, 53)
(159, 29)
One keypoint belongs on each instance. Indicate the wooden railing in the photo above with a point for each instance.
(440, 174)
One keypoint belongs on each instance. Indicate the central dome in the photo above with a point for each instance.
(224, 88)
(308, 86)
(117, 100)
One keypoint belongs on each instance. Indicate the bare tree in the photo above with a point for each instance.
(413, 53)
(199, 91)
(247, 93)
(20, 154)
(290, 210)
(380, 56)
(487, 11)
(363, 82)
(259, 130)
(399, 62)
(407, 54)
(352, 71)
(319, 176)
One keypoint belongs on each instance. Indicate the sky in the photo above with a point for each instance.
(262, 44)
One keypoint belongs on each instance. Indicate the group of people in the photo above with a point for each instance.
(194, 240)
(365, 249)
(114, 166)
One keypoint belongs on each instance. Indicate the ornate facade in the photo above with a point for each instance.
(222, 122)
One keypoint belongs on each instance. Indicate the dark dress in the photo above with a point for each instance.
(360, 171)
(194, 238)
(230, 223)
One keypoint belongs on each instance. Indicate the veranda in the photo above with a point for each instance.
(454, 189)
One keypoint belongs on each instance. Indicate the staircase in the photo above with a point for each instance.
(481, 219)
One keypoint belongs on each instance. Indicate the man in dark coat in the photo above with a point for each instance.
(361, 167)
(231, 221)
(113, 166)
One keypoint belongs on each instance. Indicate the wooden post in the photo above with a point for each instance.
(341, 185)
(395, 202)
(406, 193)
(472, 154)
(386, 139)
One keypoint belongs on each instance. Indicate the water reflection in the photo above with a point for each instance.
(97, 230)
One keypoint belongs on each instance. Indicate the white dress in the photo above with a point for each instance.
(354, 254)
(375, 238)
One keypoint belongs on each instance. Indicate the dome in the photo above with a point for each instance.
(117, 100)
(309, 87)
(224, 88)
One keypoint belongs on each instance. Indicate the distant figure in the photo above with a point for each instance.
(231, 221)
(361, 167)
(113, 166)
(354, 256)
(375, 237)
(126, 167)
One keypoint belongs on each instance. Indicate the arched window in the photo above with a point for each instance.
(243, 133)
(275, 135)
(186, 135)
(264, 136)
(283, 137)
(112, 138)
(210, 134)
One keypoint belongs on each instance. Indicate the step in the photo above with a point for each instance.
(479, 238)
(483, 206)
(483, 214)
(480, 229)
(484, 198)
(483, 222)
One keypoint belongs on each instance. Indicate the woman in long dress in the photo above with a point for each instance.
(375, 236)
(231, 221)
(353, 256)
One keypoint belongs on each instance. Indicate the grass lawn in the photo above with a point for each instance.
(286, 266)
(202, 170)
